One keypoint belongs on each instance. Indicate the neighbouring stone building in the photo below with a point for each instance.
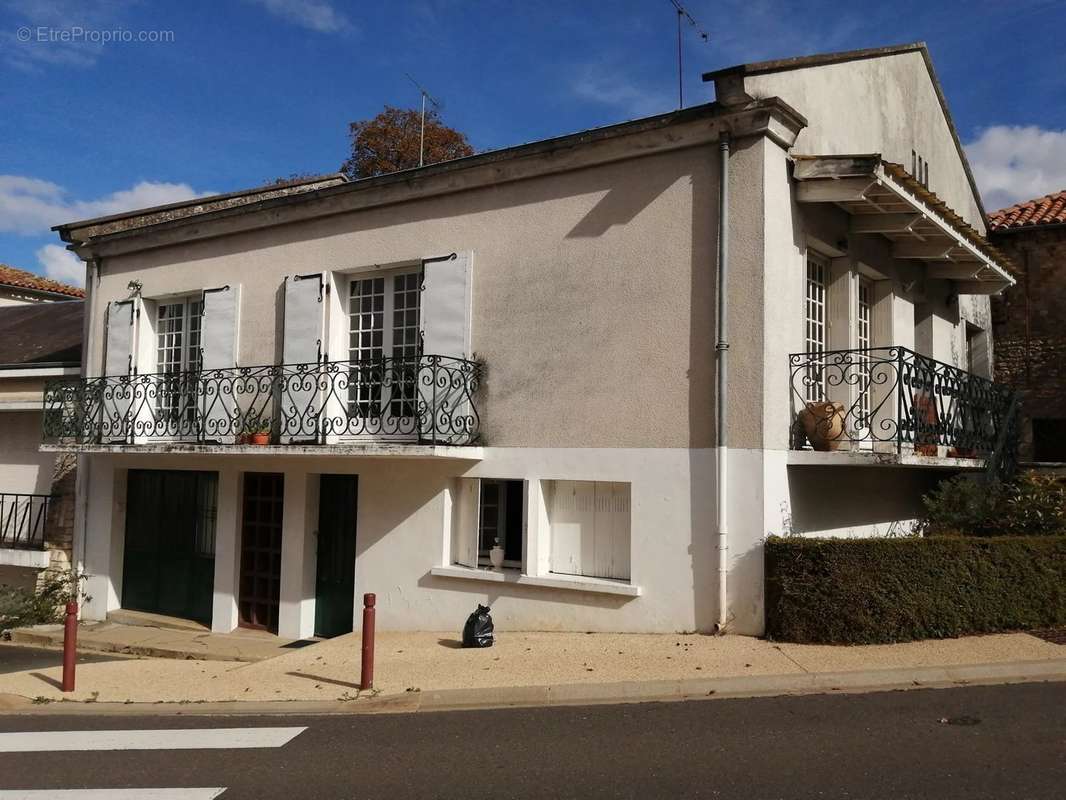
(1030, 322)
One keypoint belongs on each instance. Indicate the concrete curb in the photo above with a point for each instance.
(572, 694)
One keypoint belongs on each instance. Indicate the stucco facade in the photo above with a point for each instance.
(590, 271)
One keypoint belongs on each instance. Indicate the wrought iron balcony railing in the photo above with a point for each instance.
(23, 520)
(891, 399)
(428, 399)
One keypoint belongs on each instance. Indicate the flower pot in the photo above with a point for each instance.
(496, 557)
(258, 438)
(823, 423)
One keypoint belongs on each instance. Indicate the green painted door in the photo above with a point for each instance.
(168, 564)
(335, 582)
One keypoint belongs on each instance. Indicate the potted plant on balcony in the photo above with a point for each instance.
(256, 430)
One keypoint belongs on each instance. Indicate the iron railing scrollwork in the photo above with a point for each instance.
(428, 399)
(23, 520)
(894, 399)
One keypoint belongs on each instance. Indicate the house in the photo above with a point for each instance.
(512, 378)
(40, 338)
(1028, 321)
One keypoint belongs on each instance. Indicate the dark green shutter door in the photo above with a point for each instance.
(335, 582)
(169, 554)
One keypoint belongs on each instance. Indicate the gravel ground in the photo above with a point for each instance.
(329, 670)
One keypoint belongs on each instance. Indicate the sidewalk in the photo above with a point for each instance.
(416, 669)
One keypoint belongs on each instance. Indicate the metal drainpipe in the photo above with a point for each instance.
(722, 349)
(81, 481)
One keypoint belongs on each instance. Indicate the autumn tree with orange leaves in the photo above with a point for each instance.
(389, 142)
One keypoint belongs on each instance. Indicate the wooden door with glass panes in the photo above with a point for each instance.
(178, 364)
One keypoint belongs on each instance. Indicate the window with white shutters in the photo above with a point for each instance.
(589, 523)
(863, 342)
(816, 322)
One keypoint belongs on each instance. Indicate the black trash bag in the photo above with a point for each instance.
(478, 629)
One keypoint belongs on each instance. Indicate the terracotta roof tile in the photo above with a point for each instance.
(20, 278)
(1047, 210)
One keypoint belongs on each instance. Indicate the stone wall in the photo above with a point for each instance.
(1029, 322)
(59, 528)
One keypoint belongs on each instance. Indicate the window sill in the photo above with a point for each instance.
(577, 583)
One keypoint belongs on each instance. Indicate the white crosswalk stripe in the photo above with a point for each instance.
(180, 739)
(111, 794)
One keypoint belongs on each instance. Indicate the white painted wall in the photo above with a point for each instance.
(23, 469)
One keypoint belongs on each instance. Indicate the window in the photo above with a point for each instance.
(590, 526)
(490, 512)
(384, 344)
(178, 356)
(863, 340)
(815, 323)
(501, 519)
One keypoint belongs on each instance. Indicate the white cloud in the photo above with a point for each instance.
(602, 85)
(31, 205)
(1012, 163)
(315, 15)
(60, 264)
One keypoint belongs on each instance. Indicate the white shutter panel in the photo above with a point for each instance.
(218, 392)
(302, 348)
(446, 306)
(573, 519)
(118, 360)
(119, 393)
(611, 558)
(464, 532)
(445, 318)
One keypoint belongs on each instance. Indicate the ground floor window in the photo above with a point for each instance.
(491, 512)
(590, 528)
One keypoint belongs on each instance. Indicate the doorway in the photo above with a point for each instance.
(168, 564)
(338, 499)
(261, 526)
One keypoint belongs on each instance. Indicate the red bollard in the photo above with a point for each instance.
(366, 677)
(70, 645)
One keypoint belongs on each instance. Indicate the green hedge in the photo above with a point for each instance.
(871, 591)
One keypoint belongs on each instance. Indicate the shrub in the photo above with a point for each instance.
(1030, 505)
(21, 607)
(870, 591)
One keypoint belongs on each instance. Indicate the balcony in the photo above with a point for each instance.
(891, 401)
(427, 400)
(23, 519)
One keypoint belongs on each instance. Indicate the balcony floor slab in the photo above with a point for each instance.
(866, 458)
(365, 450)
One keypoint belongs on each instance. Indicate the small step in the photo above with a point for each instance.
(145, 619)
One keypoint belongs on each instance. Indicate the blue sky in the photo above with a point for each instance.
(247, 91)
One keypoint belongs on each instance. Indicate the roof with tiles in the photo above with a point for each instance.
(21, 279)
(1047, 210)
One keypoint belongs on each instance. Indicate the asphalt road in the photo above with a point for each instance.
(1000, 742)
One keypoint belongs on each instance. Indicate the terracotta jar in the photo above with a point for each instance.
(823, 424)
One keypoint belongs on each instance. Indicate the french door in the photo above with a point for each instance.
(178, 361)
(384, 348)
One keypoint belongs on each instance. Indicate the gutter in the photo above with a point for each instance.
(722, 349)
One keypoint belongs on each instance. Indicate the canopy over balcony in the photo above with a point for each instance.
(883, 198)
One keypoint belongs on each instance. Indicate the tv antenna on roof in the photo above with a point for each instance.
(684, 16)
(422, 134)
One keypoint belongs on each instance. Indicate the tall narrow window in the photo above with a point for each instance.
(863, 342)
(178, 357)
(384, 343)
(815, 322)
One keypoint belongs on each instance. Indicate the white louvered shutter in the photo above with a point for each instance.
(218, 391)
(300, 395)
(464, 532)
(119, 398)
(445, 318)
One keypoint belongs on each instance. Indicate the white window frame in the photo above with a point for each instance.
(188, 350)
(815, 318)
(388, 330)
(483, 558)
